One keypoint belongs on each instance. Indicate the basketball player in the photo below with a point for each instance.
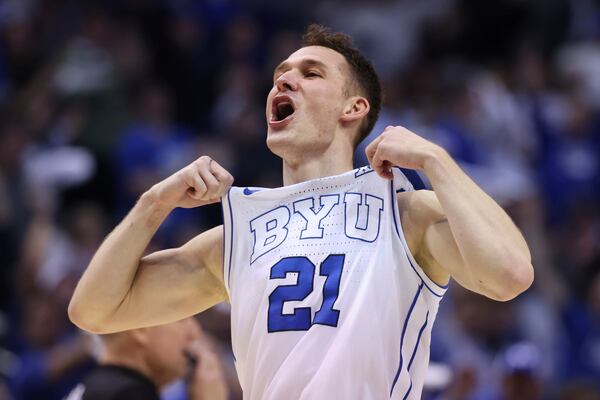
(335, 278)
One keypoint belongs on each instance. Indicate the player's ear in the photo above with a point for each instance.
(355, 109)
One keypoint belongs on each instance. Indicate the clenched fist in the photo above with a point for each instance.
(397, 146)
(202, 182)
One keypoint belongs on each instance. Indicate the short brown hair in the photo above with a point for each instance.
(362, 70)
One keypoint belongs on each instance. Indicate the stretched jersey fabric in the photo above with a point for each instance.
(326, 300)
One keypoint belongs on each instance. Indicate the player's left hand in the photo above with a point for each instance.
(397, 146)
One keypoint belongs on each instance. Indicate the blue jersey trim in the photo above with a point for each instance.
(224, 235)
(433, 292)
(412, 357)
(410, 310)
(414, 353)
(395, 210)
(230, 241)
(413, 177)
(408, 391)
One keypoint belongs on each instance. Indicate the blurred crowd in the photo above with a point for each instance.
(101, 99)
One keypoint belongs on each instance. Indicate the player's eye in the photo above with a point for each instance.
(312, 74)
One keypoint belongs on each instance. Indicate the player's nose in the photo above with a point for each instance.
(286, 82)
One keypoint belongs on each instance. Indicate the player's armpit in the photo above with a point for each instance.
(420, 210)
(442, 256)
(431, 241)
(173, 284)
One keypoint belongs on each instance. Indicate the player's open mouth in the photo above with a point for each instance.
(282, 111)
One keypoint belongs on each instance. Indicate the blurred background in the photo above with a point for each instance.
(101, 99)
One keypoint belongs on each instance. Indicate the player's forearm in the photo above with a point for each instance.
(491, 245)
(111, 272)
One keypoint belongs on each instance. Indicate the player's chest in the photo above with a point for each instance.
(314, 222)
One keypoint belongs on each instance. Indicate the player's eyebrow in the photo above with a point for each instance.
(305, 63)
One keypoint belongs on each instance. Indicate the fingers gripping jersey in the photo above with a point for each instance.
(327, 301)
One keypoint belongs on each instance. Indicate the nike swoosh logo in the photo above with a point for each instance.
(248, 191)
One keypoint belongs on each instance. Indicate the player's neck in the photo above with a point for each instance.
(314, 168)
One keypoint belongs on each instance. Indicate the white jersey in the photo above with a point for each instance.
(326, 300)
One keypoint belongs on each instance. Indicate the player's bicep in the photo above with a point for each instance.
(175, 283)
(207, 249)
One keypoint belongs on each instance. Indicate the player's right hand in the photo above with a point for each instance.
(202, 182)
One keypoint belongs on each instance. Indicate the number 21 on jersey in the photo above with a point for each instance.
(300, 319)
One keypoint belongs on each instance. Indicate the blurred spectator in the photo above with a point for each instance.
(53, 356)
(3, 79)
(189, 69)
(387, 30)
(470, 336)
(14, 207)
(54, 255)
(583, 323)
(570, 168)
(521, 377)
(137, 364)
(238, 116)
(579, 390)
(152, 145)
(18, 34)
(479, 338)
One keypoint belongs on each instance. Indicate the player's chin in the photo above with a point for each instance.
(278, 142)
